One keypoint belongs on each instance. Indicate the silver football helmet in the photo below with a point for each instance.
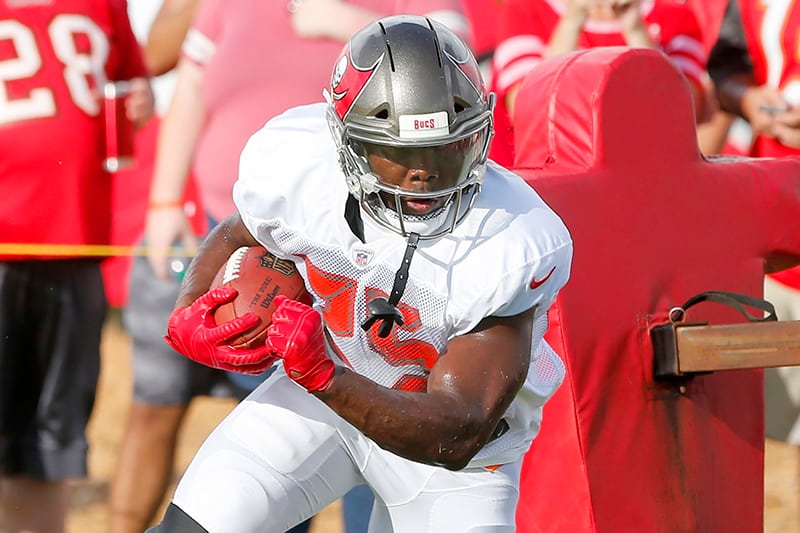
(409, 89)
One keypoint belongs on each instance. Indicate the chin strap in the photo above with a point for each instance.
(386, 310)
(352, 214)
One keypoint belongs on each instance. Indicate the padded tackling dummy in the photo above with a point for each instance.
(606, 136)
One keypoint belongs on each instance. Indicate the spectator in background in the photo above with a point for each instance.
(130, 185)
(242, 64)
(56, 58)
(483, 17)
(756, 72)
(144, 468)
(532, 30)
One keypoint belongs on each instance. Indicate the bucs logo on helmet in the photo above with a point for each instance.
(348, 81)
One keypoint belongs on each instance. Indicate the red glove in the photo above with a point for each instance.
(295, 336)
(193, 332)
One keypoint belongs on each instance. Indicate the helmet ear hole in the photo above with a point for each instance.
(460, 105)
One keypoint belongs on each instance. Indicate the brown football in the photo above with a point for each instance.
(258, 276)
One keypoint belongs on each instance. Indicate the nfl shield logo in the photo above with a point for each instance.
(362, 257)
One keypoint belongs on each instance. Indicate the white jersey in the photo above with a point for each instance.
(512, 252)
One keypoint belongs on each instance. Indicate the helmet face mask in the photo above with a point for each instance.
(407, 100)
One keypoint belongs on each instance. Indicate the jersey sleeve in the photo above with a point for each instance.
(525, 264)
(522, 42)
(535, 284)
(274, 179)
(683, 44)
(200, 42)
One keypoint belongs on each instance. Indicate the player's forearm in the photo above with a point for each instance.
(217, 247)
(178, 135)
(437, 429)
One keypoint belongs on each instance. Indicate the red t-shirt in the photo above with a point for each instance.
(771, 30)
(772, 36)
(55, 57)
(255, 66)
(528, 24)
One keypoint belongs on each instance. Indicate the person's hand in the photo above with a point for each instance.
(760, 106)
(577, 11)
(140, 103)
(786, 127)
(295, 336)
(628, 14)
(192, 331)
(166, 226)
(316, 18)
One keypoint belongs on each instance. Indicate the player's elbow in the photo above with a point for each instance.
(459, 451)
(455, 465)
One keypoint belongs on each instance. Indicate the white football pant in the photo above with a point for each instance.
(282, 455)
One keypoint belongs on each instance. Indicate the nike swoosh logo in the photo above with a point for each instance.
(536, 283)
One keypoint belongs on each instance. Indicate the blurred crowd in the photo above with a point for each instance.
(217, 70)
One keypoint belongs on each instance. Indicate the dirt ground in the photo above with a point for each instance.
(106, 429)
(782, 494)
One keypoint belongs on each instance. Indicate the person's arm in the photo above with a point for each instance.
(140, 102)
(511, 98)
(331, 19)
(634, 29)
(713, 133)
(339, 20)
(786, 127)
(162, 49)
(728, 53)
(166, 222)
(568, 30)
(566, 33)
(192, 329)
(469, 389)
(217, 247)
(731, 70)
(729, 64)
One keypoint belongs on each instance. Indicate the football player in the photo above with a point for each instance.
(421, 368)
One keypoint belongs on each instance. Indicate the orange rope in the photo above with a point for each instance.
(83, 250)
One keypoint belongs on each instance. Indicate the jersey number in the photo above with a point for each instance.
(339, 295)
(78, 66)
